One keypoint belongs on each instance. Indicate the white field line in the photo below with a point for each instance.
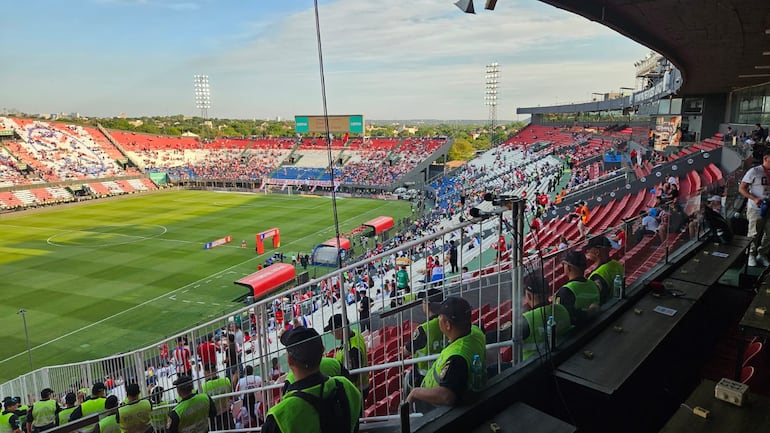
(90, 325)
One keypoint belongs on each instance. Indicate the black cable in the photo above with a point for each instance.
(328, 134)
(548, 358)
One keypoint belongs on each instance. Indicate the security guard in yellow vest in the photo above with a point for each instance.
(427, 339)
(63, 417)
(193, 412)
(42, 415)
(214, 386)
(9, 421)
(93, 405)
(579, 296)
(108, 423)
(534, 333)
(597, 250)
(160, 410)
(449, 377)
(356, 352)
(295, 414)
(329, 367)
(134, 416)
(21, 412)
(408, 295)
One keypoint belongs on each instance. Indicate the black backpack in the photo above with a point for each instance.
(333, 409)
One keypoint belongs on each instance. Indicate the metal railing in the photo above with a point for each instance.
(490, 290)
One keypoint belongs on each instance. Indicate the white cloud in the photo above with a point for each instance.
(419, 58)
(395, 59)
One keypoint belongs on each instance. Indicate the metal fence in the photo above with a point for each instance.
(388, 330)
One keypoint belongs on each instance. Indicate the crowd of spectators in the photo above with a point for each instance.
(384, 167)
(224, 164)
(10, 174)
(61, 152)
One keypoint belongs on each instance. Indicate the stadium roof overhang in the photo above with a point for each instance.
(716, 44)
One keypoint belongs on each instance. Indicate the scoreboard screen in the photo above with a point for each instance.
(348, 123)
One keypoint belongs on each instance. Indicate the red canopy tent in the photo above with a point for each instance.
(326, 253)
(380, 224)
(344, 243)
(263, 282)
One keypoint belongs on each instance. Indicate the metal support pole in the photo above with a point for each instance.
(23, 313)
(518, 292)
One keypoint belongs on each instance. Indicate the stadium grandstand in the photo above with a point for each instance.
(657, 192)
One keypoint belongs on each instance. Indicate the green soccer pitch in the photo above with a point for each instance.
(110, 276)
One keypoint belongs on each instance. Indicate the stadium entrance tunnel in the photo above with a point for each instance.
(268, 280)
(107, 235)
(325, 254)
(380, 224)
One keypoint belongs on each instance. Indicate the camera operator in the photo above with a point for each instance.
(756, 188)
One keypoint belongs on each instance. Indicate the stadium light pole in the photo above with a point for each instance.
(490, 97)
(202, 91)
(23, 313)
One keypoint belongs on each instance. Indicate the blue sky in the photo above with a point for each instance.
(395, 59)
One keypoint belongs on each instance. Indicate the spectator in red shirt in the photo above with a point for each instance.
(163, 351)
(182, 358)
(207, 351)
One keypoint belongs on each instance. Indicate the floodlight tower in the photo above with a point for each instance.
(490, 96)
(202, 94)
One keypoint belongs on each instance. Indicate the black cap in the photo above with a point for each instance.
(98, 387)
(335, 322)
(46, 392)
(598, 242)
(433, 295)
(70, 398)
(132, 389)
(10, 401)
(184, 382)
(456, 309)
(575, 258)
(111, 402)
(535, 284)
(304, 345)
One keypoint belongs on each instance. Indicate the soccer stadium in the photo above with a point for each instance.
(603, 268)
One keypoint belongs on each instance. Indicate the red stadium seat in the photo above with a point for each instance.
(381, 407)
(394, 400)
(506, 354)
(393, 384)
(380, 391)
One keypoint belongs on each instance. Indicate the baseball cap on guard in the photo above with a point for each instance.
(184, 381)
(575, 258)
(335, 322)
(456, 309)
(304, 345)
(9, 401)
(598, 242)
(535, 284)
(433, 295)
